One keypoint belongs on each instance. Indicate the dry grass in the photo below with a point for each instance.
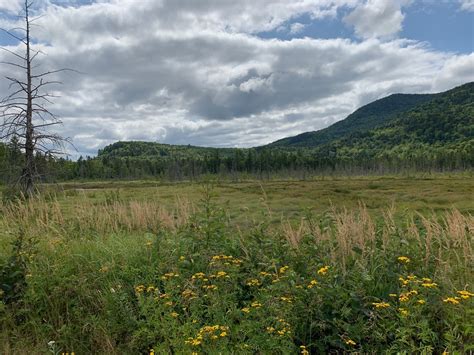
(351, 234)
(40, 217)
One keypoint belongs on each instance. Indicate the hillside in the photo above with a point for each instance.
(131, 149)
(370, 116)
(442, 126)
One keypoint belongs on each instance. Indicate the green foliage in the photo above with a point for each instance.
(14, 268)
(338, 283)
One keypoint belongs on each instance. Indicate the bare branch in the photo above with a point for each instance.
(12, 35)
(13, 53)
(14, 65)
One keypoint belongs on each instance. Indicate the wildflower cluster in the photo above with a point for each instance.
(225, 260)
(169, 275)
(403, 259)
(208, 333)
(463, 295)
(323, 271)
(253, 282)
(281, 328)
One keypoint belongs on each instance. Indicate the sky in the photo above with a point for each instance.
(235, 73)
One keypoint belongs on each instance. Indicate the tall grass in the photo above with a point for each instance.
(124, 276)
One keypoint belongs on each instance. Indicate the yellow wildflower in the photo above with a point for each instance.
(312, 283)
(403, 259)
(393, 295)
(403, 311)
(246, 310)
(304, 351)
(223, 334)
(139, 288)
(174, 315)
(169, 275)
(220, 274)
(380, 304)
(403, 281)
(323, 270)
(283, 269)
(465, 294)
(188, 294)
(451, 300)
(421, 301)
(253, 282)
(350, 342)
(429, 284)
(193, 342)
(403, 297)
(256, 305)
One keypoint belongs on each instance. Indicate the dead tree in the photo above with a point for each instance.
(24, 111)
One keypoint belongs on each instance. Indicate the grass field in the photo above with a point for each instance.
(356, 265)
(289, 199)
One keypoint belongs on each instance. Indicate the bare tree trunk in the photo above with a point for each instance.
(29, 173)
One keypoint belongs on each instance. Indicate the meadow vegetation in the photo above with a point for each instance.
(127, 270)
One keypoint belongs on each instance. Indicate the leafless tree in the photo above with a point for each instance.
(24, 111)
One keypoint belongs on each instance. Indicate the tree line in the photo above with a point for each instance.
(240, 163)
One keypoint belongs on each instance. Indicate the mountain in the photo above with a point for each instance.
(370, 116)
(442, 126)
(416, 132)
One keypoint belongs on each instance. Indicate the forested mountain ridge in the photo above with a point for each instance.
(372, 115)
(124, 149)
(440, 129)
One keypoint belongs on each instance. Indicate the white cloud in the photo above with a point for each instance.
(467, 5)
(296, 28)
(377, 18)
(10, 5)
(187, 72)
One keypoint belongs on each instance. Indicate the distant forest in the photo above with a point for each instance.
(429, 133)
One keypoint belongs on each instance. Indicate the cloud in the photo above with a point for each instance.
(187, 73)
(296, 28)
(467, 5)
(12, 6)
(377, 18)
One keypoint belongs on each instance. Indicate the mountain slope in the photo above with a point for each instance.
(443, 127)
(365, 118)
